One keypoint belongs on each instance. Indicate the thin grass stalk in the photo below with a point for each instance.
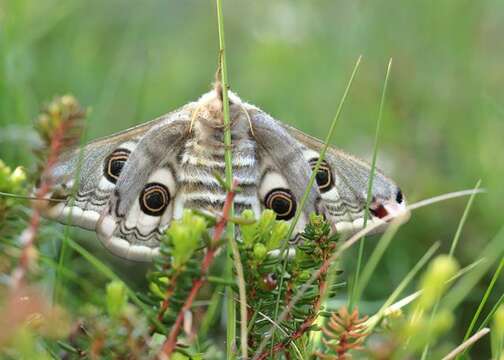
(243, 299)
(225, 97)
(466, 344)
(109, 274)
(356, 288)
(323, 150)
(345, 247)
(311, 181)
(324, 295)
(491, 313)
(453, 246)
(230, 304)
(375, 258)
(211, 313)
(398, 305)
(482, 304)
(491, 253)
(26, 197)
(463, 220)
(402, 285)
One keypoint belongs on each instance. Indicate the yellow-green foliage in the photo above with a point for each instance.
(11, 182)
(186, 235)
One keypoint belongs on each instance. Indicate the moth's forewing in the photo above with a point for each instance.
(88, 179)
(343, 183)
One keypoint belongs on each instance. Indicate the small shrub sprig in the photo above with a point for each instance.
(11, 212)
(117, 331)
(259, 251)
(59, 127)
(178, 265)
(261, 269)
(342, 333)
(187, 252)
(315, 248)
(11, 182)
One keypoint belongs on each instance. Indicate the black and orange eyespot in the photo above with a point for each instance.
(114, 164)
(154, 199)
(282, 202)
(324, 176)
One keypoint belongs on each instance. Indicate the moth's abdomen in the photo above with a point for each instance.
(198, 166)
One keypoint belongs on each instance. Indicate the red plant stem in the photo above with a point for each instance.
(343, 346)
(166, 301)
(228, 203)
(28, 236)
(171, 341)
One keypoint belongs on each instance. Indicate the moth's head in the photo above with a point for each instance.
(387, 200)
(347, 200)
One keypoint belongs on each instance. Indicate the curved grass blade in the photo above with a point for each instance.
(230, 230)
(304, 198)
(356, 287)
(453, 246)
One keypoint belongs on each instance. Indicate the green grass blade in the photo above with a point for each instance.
(230, 304)
(491, 253)
(412, 297)
(63, 251)
(402, 285)
(211, 313)
(482, 303)
(492, 312)
(311, 181)
(375, 258)
(103, 269)
(356, 287)
(453, 246)
(463, 220)
(323, 151)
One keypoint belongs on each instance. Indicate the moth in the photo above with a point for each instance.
(130, 185)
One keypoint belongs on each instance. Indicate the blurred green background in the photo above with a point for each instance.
(443, 126)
